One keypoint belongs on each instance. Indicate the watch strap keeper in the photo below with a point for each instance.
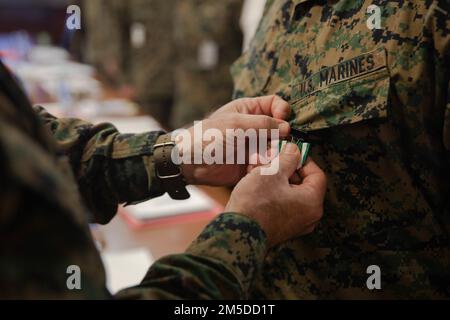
(169, 174)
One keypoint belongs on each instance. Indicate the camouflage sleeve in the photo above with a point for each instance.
(219, 264)
(110, 168)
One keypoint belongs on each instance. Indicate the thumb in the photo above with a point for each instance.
(246, 121)
(289, 159)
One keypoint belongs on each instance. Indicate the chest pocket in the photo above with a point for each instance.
(352, 91)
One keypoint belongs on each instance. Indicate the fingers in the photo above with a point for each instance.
(284, 127)
(289, 159)
(260, 108)
(247, 121)
(272, 106)
(280, 109)
(295, 178)
(310, 229)
(314, 176)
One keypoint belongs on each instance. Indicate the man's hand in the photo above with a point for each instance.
(266, 112)
(283, 210)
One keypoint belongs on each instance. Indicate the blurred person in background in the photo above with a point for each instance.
(208, 40)
(131, 43)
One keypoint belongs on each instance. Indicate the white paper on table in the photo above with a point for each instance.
(121, 113)
(94, 108)
(125, 268)
(165, 206)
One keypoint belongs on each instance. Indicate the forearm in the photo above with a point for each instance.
(110, 168)
(219, 264)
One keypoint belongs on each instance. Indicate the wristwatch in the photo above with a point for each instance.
(167, 172)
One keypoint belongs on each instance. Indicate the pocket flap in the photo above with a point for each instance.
(352, 91)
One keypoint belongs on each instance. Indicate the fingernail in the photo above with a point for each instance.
(290, 148)
(284, 126)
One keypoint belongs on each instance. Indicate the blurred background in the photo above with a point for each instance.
(142, 65)
(169, 59)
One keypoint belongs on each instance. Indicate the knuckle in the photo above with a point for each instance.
(266, 122)
(240, 101)
(245, 102)
(234, 119)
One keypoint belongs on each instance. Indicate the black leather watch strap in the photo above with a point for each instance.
(167, 172)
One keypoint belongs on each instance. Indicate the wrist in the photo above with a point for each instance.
(188, 172)
(258, 217)
(168, 173)
(187, 168)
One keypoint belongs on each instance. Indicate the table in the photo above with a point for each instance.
(160, 240)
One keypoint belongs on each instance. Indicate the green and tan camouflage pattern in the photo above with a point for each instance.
(219, 264)
(105, 39)
(149, 67)
(199, 90)
(56, 175)
(377, 104)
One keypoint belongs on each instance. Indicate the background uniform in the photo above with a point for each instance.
(208, 40)
(376, 106)
(106, 38)
(131, 42)
(52, 186)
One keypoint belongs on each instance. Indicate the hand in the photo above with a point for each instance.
(266, 112)
(283, 210)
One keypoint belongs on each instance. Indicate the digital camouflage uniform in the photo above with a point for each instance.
(376, 106)
(48, 187)
(147, 64)
(106, 39)
(201, 89)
